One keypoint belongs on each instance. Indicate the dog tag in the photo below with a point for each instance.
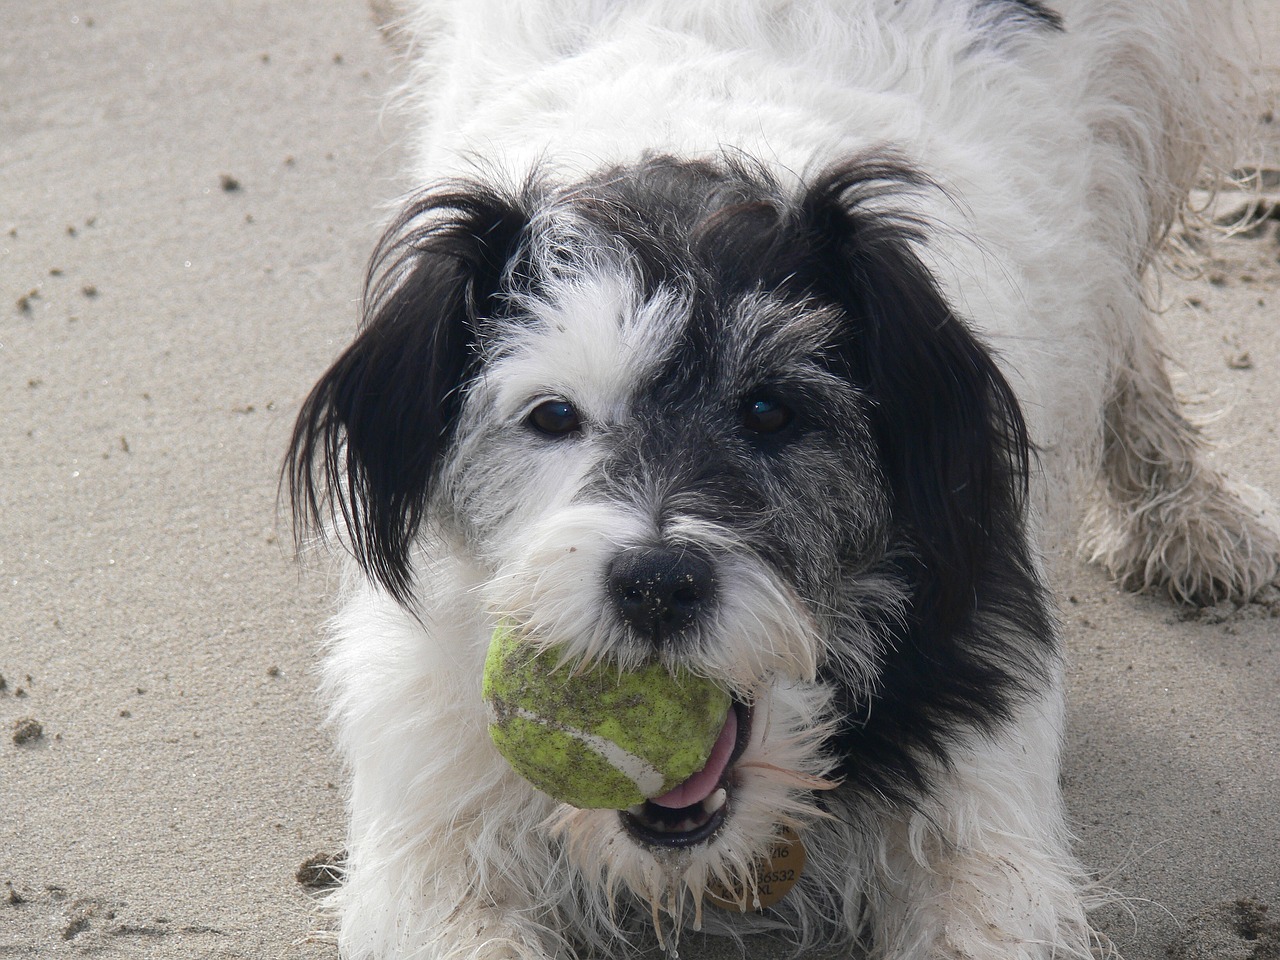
(773, 877)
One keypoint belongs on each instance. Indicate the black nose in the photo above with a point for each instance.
(660, 591)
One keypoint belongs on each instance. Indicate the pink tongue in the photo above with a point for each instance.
(701, 785)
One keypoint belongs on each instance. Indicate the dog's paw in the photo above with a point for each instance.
(486, 935)
(497, 943)
(1208, 541)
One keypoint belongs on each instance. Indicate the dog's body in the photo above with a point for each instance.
(814, 309)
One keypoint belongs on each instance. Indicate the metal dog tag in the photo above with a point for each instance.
(773, 878)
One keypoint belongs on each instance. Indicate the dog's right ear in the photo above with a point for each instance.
(369, 437)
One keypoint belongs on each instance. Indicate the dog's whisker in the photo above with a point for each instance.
(795, 778)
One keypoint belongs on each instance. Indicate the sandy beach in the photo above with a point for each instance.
(188, 195)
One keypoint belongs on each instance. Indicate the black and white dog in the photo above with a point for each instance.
(766, 338)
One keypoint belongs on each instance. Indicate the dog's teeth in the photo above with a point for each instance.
(715, 801)
(637, 810)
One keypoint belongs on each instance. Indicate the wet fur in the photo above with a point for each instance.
(928, 238)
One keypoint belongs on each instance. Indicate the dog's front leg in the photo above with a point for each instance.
(478, 892)
(981, 869)
(447, 854)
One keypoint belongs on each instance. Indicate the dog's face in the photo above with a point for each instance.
(676, 412)
(652, 468)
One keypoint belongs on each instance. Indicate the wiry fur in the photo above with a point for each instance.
(924, 231)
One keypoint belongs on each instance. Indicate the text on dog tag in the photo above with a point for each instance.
(774, 877)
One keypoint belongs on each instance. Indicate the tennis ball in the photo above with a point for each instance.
(597, 738)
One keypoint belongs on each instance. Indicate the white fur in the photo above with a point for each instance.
(1063, 159)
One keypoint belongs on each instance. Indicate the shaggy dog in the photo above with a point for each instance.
(765, 339)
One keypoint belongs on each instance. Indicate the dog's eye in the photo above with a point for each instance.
(554, 417)
(766, 415)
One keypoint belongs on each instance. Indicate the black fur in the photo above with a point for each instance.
(1027, 11)
(370, 434)
(955, 451)
(718, 233)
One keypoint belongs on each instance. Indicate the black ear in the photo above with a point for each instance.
(952, 440)
(369, 436)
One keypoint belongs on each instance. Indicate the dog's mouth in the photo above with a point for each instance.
(694, 811)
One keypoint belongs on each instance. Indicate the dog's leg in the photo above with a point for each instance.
(1167, 520)
(435, 872)
(446, 855)
(393, 915)
(981, 868)
(1164, 105)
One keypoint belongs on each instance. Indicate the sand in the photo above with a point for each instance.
(188, 193)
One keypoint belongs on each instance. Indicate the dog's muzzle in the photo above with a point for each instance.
(660, 593)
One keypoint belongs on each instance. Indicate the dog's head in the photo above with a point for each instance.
(679, 411)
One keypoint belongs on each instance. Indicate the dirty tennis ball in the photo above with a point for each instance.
(597, 738)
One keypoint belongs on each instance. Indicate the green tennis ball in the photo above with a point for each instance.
(597, 738)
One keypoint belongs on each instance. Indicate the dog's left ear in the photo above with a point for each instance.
(951, 437)
(369, 437)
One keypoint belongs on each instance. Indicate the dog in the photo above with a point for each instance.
(766, 340)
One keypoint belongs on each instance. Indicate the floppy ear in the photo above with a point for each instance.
(369, 437)
(951, 437)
